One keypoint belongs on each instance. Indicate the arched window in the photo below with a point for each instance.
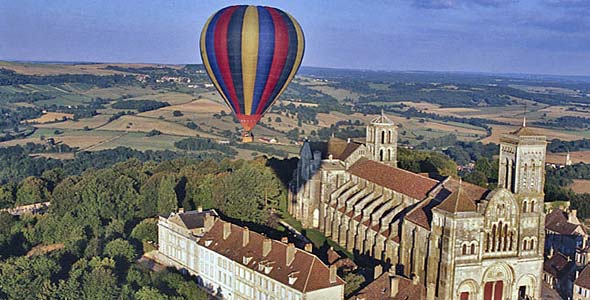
(383, 137)
(525, 244)
(472, 249)
(390, 137)
(389, 154)
(532, 246)
(533, 204)
(524, 206)
(464, 252)
(381, 158)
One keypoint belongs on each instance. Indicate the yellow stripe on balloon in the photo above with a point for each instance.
(206, 61)
(298, 58)
(250, 32)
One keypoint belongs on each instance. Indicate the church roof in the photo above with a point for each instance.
(338, 148)
(396, 179)
(382, 119)
(463, 196)
(525, 131)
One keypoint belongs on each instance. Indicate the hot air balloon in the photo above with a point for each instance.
(251, 53)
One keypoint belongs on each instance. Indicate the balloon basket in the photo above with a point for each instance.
(247, 137)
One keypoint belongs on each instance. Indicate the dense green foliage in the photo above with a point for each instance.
(9, 77)
(104, 219)
(202, 144)
(139, 105)
(426, 162)
(16, 162)
(557, 145)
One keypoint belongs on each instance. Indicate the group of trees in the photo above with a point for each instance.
(426, 162)
(557, 145)
(9, 77)
(573, 122)
(139, 105)
(104, 220)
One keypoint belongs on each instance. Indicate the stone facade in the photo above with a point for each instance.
(457, 240)
(234, 263)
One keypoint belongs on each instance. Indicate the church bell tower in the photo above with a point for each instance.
(382, 140)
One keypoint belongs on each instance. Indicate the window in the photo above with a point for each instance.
(472, 249)
(464, 252)
(525, 244)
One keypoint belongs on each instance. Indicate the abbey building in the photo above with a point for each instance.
(454, 239)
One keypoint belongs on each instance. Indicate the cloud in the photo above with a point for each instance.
(569, 3)
(446, 4)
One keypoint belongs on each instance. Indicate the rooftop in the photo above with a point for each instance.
(396, 179)
(310, 273)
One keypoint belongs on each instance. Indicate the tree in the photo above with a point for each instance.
(32, 190)
(146, 230)
(249, 193)
(150, 293)
(278, 120)
(477, 177)
(23, 277)
(120, 249)
(100, 283)
(177, 113)
(353, 283)
(7, 198)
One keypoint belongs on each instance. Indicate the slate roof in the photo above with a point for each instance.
(396, 179)
(311, 273)
(556, 265)
(557, 221)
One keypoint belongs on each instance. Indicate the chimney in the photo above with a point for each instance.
(245, 237)
(285, 240)
(226, 230)
(415, 279)
(333, 276)
(290, 253)
(394, 286)
(309, 247)
(377, 271)
(266, 246)
(200, 208)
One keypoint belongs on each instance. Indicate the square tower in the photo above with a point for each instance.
(381, 140)
(522, 161)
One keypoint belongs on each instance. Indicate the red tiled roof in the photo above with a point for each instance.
(338, 148)
(463, 196)
(583, 279)
(418, 216)
(380, 289)
(312, 273)
(399, 180)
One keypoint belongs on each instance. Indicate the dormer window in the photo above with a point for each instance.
(208, 243)
(246, 259)
(293, 278)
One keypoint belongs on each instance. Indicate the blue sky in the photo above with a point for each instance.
(510, 36)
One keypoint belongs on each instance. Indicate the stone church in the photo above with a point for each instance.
(457, 240)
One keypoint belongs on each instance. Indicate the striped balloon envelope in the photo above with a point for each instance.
(251, 53)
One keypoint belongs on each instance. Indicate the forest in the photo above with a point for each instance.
(102, 220)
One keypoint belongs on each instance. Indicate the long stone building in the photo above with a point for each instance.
(234, 263)
(457, 240)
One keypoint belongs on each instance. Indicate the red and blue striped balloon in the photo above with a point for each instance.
(251, 53)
